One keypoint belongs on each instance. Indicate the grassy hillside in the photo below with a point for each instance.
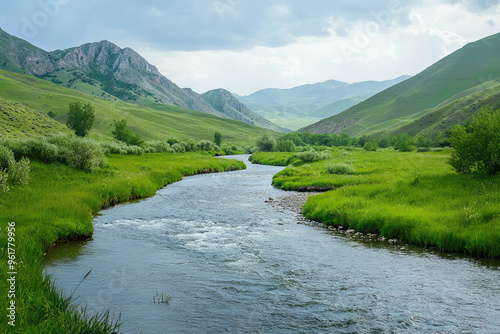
(466, 68)
(18, 120)
(456, 112)
(300, 106)
(153, 121)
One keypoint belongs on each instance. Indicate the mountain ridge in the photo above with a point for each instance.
(224, 101)
(306, 101)
(102, 68)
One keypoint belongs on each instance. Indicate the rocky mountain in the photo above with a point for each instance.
(108, 71)
(223, 101)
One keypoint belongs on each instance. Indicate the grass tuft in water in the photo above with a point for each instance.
(162, 298)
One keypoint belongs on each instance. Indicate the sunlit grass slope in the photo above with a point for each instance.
(153, 122)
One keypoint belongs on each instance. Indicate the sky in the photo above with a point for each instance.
(248, 45)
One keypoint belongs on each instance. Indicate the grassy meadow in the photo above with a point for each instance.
(154, 121)
(415, 197)
(58, 205)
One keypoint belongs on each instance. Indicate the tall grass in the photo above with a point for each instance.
(415, 197)
(58, 205)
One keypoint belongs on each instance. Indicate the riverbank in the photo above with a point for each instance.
(414, 197)
(58, 205)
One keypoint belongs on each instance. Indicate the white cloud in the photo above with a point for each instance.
(246, 45)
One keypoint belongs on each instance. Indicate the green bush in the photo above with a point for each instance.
(124, 149)
(206, 145)
(403, 142)
(285, 145)
(312, 156)
(40, 149)
(123, 134)
(178, 148)
(86, 154)
(12, 172)
(266, 144)
(339, 168)
(477, 149)
(159, 146)
(3, 180)
(371, 145)
(80, 153)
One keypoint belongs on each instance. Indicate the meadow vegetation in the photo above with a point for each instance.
(416, 197)
(70, 180)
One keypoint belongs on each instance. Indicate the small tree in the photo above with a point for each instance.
(285, 145)
(80, 118)
(477, 149)
(384, 142)
(218, 138)
(371, 145)
(403, 142)
(266, 144)
(123, 133)
(345, 139)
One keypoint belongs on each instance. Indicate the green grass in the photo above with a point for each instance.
(415, 197)
(153, 121)
(58, 205)
(272, 159)
(18, 120)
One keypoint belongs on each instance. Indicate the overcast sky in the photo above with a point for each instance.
(247, 45)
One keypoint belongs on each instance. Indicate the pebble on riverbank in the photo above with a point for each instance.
(295, 202)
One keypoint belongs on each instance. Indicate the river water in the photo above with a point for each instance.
(232, 263)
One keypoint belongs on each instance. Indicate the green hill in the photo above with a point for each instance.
(441, 83)
(34, 98)
(456, 112)
(299, 106)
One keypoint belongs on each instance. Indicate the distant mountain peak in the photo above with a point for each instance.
(225, 102)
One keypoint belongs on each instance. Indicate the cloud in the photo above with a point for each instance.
(245, 45)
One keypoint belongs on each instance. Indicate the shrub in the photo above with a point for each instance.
(189, 146)
(86, 154)
(312, 156)
(41, 149)
(179, 148)
(12, 172)
(113, 147)
(266, 144)
(384, 142)
(3, 181)
(339, 168)
(124, 149)
(285, 145)
(371, 145)
(123, 134)
(159, 146)
(403, 142)
(206, 145)
(477, 150)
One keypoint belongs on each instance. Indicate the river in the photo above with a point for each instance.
(233, 263)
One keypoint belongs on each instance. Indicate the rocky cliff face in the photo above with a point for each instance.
(120, 72)
(226, 103)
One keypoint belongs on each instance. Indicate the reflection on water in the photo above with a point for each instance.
(234, 264)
